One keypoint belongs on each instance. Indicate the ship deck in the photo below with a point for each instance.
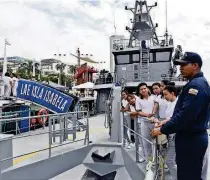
(98, 134)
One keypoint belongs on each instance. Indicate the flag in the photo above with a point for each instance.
(6, 42)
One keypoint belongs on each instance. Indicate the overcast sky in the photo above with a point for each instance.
(40, 28)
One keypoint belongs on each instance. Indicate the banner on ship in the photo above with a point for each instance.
(46, 96)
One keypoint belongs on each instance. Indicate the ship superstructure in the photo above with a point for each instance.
(143, 57)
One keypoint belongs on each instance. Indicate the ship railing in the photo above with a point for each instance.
(60, 132)
(111, 77)
(156, 160)
(120, 44)
(105, 78)
(166, 41)
(142, 77)
(174, 78)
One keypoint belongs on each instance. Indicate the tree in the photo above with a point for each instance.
(69, 81)
(72, 69)
(23, 71)
(61, 67)
(26, 70)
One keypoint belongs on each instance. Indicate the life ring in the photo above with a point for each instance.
(42, 120)
(33, 121)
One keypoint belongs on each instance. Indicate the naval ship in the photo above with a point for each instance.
(58, 151)
(144, 57)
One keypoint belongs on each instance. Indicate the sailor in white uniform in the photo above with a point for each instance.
(14, 84)
(8, 85)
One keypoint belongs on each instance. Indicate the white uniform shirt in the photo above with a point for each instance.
(7, 80)
(162, 106)
(15, 85)
(125, 103)
(145, 105)
(132, 108)
(170, 109)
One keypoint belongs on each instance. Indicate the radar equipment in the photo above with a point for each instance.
(142, 24)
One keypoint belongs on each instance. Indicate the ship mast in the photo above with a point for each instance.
(166, 33)
(142, 24)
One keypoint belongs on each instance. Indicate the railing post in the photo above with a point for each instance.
(0, 162)
(16, 127)
(87, 136)
(61, 128)
(53, 132)
(66, 127)
(75, 119)
(50, 136)
(156, 157)
(29, 119)
(124, 129)
(136, 138)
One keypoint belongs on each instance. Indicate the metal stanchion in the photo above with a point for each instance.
(136, 138)
(124, 130)
(88, 134)
(50, 136)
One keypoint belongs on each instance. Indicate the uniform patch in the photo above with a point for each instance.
(193, 91)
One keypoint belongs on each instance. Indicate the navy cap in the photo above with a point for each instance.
(189, 57)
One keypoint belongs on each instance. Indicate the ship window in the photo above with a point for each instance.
(136, 75)
(136, 67)
(151, 57)
(123, 59)
(162, 56)
(135, 57)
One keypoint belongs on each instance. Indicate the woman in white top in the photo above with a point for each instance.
(126, 116)
(160, 102)
(132, 111)
(144, 107)
(170, 94)
(156, 88)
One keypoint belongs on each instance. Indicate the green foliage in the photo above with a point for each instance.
(26, 70)
(72, 69)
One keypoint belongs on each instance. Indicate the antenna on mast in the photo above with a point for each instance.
(115, 29)
(166, 34)
(166, 15)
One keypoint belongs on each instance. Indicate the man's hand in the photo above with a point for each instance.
(160, 123)
(156, 132)
(154, 120)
